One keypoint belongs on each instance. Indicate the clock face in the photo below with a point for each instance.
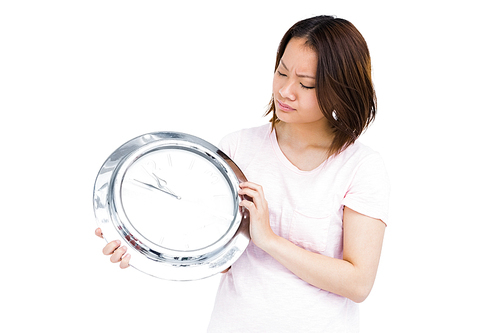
(178, 199)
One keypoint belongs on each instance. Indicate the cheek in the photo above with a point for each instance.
(313, 105)
(312, 101)
(275, 86)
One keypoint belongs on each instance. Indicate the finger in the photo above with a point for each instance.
(252, 190)
(250, 205)
(125, 261)
(252, 196)
(251, 185)
(255, 189)
(245, 197)
(248, 191)
(98, 232)
(111, 247)
(118, 254)
(248, 196)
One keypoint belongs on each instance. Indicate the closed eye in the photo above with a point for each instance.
(284, 75)
(306, 87)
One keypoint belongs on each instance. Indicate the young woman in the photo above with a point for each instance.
(319, 197)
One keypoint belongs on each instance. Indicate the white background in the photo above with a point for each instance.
(79, 78)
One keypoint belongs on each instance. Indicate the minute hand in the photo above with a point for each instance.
(159, 189)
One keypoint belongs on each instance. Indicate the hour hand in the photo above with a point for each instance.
(159, 189)
(162, 183)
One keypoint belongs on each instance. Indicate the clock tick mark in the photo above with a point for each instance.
(191, 165)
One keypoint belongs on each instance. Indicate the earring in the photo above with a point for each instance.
(334, 114)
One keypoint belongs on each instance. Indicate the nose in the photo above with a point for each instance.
(286, 91)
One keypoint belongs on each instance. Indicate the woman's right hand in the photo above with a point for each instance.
(117, 253)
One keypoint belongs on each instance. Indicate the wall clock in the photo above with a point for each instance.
(173, 199)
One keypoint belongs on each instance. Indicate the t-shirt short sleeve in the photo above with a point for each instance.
(368, 192)
(229, 143)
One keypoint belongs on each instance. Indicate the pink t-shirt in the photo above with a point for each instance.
(258, 294)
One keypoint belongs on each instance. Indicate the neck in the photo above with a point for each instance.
(311, 135)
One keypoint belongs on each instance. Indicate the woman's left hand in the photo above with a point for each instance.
(260, 228)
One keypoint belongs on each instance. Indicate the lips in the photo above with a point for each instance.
(285, 107)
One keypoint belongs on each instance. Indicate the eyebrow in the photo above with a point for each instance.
(299, 75)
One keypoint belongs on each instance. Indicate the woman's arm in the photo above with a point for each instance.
(351, 277)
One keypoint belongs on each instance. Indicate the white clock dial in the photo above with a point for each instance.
(178, 199)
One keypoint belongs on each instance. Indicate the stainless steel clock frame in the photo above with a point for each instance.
(148, 257)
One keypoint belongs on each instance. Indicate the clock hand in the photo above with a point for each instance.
(162, 184)
(159, 189)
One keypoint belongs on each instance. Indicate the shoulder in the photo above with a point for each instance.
(365, 160)
(252, 132)
(244, 139)
(369, 186)
(359, 151)
(356, 155)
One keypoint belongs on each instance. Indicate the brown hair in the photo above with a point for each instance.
(344, 87)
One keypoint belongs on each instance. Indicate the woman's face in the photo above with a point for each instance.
(294, 85)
